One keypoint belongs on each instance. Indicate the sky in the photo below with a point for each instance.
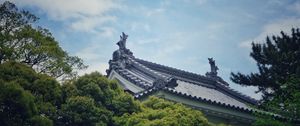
(176, 33)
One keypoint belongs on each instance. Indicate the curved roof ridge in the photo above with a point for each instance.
(193, 75)
(140, 65)
(226, 88)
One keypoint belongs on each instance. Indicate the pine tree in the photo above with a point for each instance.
(277, 59)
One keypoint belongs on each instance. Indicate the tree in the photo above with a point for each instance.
(106, 93)
(29, 98)
(16, 105)
(158, 112)
(286, 104)
(13, 71)
(83, 111)
(43, 87)
(278, 79)
(44, 90)
(40, 121)
(100, 94)
(21, 41)
(277, 60)
(269, 121)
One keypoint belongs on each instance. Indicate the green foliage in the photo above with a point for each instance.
(40, 121)
(81, 110)
(269, 121)
(106, 93)
(45, 90)
(286, 104)
(124, 103)
(88, 100)
(158, 112)
(104, 96)
(278, 62)
(16, 105)
(13, 71)
(277, 59)
(69, 90)
(20, 41)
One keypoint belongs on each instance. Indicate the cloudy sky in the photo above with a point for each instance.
(177, 33)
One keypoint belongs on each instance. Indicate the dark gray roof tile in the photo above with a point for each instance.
(190, 85)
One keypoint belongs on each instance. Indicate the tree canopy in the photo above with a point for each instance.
(158, 112)
(278, 77)
(277, 59)
(20, 101)
(30, 98)
(93, 99)
(22, 41)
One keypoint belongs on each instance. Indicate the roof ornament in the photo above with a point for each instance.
(213, 67)
(122, 56)
(122, 42)
(213, 74)
(122, 45)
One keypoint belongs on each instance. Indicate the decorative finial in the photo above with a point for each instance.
(213, 67)
(122, 42)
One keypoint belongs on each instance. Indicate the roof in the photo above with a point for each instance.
(153, 77)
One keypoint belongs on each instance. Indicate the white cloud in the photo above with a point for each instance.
(272, 29)
(173, 43)
(96, 53)
(108, 32)
(214, 29)
(88, 54)
(90, 24)
(137, 26)
(197, 2)
(82, 15)
(65, 9)
(148, 41)
(152, 12)
(94, 58)
(95, 66)
(275, 2)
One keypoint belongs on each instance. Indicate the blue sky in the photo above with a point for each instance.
(177, 33)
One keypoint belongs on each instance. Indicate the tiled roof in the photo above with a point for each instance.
(175, 72)
(130, 77)
(153, 77)
(196, 79)
(197, 98)
(144, 74)
(207, 93)
(150, 91)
